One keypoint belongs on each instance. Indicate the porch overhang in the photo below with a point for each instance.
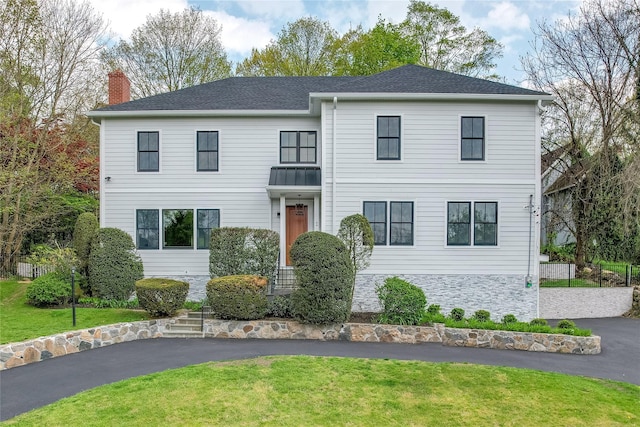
(277, 191)
(294, 181)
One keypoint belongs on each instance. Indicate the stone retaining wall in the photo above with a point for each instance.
(18, 354)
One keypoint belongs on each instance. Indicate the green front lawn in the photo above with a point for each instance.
(20, 321)
(315, 391)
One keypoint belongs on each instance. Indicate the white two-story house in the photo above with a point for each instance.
(445, 167)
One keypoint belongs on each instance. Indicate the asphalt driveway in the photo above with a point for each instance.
(31, 386)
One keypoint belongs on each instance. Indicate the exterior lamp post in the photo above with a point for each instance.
(73, 294)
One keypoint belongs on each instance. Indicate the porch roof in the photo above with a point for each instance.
(285, 176)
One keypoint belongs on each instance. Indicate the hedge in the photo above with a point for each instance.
(114, 265)
(161, 297)
(402, 302)
(324, 275)
(241, 297)
(51, 289)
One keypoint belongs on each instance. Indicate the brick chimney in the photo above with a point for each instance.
(119, 88)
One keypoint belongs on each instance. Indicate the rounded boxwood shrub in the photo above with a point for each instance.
(51, 289)
(324, 275)
(433, 309)
(509, 318)
(566, 324)
(241, 297)
(482, 316)
(457, 314)
(84, 232)
(538, 322)
(114, 265)
(402, 302)
(161, 297)
(279, 306)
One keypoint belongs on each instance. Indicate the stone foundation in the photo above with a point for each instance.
(36, 350)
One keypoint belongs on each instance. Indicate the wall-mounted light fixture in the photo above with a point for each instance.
(107, 178)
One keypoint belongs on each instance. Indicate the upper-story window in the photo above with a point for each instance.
(298, 146)
(207, 147)
(148, 151)
(388, 138)
(472, 138)
(483, 222)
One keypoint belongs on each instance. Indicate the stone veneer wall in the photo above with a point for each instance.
(499, 294)
(38, 349)
(580, 303)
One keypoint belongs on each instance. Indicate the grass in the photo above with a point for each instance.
(20, 321)
(565, 283)
(315, 391)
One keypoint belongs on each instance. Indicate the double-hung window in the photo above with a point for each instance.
(208, 219)
(399, 222)
(388, 138)
(298, 146)
(148, 151)
(147, 229)
(483, 222)
(472, 138)
(207, 147)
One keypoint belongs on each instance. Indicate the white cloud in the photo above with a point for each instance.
(506, 16)
(288, 10)
(240, 35)
(126, 15)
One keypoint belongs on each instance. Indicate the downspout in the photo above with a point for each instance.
(334, 163)
(528, 279)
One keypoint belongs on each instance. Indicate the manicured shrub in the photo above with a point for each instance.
(482, 316)
(84, 232)
(161, 297)
(357, 235)
(566, 324)
(433, 309)
(50, 290)
(114, 265)
(538, 322)
(241, 297)
(324, 275)
(239, 251)
(509, 318)
(402, 302)
(279, 306)
(457, 314)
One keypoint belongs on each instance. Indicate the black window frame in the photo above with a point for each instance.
(139, 235)
(216, 151)
(147, 152)
(400, 222)
(476, 222)
(467, 223)
(164, 232)
(200, 230)
(469, 139)
(298, 146)
(388, 138)
(375, 224)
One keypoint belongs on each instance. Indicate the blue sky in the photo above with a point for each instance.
(253, 23)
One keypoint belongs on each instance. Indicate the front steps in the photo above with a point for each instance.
(185, 327)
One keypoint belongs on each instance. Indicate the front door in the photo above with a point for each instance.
(297, 223)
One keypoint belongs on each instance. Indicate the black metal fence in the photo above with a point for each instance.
(20, 267)
(562, 275)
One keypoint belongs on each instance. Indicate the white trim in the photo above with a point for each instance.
(316, 213)
(195, 151)
(185, 190)
(485, 143)
(283, 231)
(103, 174)
(323, 166)
(375, 138)
(472, 223)
(435, 181)
(196, 113)
(297, 164)
(136, 170)
(348, 96)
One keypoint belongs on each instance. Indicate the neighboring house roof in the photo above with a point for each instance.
(295, 175)
(293, 93)
(550, 157)
(569, 178)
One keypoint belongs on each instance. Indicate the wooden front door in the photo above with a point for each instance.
(297, 223)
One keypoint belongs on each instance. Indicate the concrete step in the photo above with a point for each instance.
(182, 334)
(183, 327)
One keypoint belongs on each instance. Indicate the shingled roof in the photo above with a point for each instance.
(292, 93)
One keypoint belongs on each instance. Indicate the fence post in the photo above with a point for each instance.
(569, 265)
(600, 274)
(627, 275)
